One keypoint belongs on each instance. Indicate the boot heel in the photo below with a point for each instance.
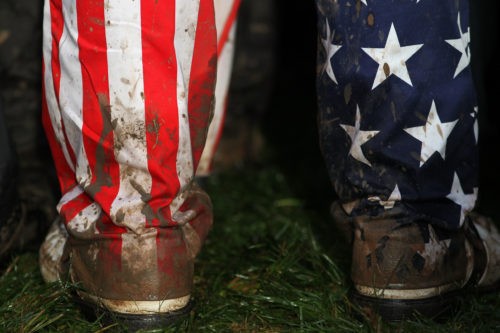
(397, 310)
(132, 322)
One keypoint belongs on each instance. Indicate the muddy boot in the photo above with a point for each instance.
(139, 280)
(402, 266)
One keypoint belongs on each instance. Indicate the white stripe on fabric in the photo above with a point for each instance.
(84, 224)
(186, 20)
(126, 87)
(50, 95)
(69, 196)
(222, 10)
(71, 93)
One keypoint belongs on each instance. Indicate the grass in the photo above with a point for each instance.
(270, 265)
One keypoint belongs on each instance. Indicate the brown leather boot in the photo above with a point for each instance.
(139, 280)
(401, 266)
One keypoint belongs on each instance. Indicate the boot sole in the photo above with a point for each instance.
(391, 310)
(131, 322)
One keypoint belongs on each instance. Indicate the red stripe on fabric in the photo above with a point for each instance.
(227, 26)
(57, 26)
(72, 208)
(97, 128)
(161, 110)
(64, 173)
(202, 80)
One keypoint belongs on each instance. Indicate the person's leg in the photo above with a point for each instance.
(398, 130)
(225, 20)
(243, 84)
(128, 93)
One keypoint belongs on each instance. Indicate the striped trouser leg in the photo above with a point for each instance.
(128, 93)
(225, 21)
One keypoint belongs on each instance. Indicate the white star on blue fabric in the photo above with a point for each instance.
(433, 135)
(462, 45)
(465, 201)
(330, 50)
(392, 58)
(358, 138)
(391, 201)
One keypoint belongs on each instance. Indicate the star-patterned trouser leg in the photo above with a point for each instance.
(398, 111)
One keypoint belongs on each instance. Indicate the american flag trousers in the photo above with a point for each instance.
(397, 107)
(128, 95)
